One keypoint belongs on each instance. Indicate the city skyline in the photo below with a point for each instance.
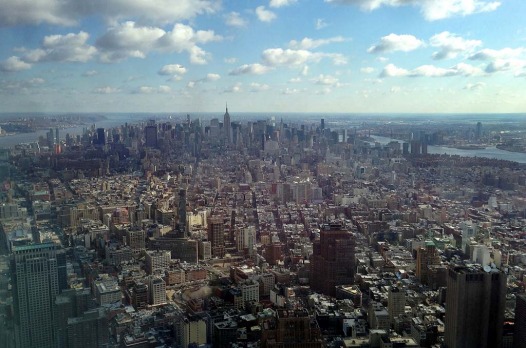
(464, 56)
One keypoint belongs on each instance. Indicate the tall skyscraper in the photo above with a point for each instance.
(182, 213)
(37, 272)
(475, 304)
(332, 259)
(150, 134)
(395, 303)
(216, 235)
(227, 127)
(101, 137)
(519, 336)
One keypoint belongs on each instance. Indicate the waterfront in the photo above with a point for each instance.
(488, 152)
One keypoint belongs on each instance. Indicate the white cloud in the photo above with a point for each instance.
(308, 43)
(461, 69)
(502, 60)
(61, 48)
(234, 19)
(172, 69)
(450, 45)
(128, 40)
(253, 69)
(320, 23)
(305, 70)
(162, 89)
(230, 60)
(289, 57)
(281, 3)
(106, 90)
(131, 40)
(367, 70)
(394, 42)
(431, 9)
(324, 91)
(235, 88)
(212, 77)
(295, 80)
(327, 80)
(13, 64)
(69, 12)
(258, 87)
(265, 15)
(505, 53)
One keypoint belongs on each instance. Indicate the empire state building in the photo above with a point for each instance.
(227, 127)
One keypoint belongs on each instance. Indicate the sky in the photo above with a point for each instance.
(347, 56)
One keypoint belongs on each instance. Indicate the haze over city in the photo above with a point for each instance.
(379, 56)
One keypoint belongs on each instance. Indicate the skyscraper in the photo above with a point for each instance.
(475, 304)
(150, 134)
(332, 259)
(395, 303)
(519, 337)
(216, 235)
(37, 272)
(101, 137)
(227, 127)
(182, 213)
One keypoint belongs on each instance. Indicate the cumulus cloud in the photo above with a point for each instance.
(106, 90)
(461, 69)
(172, 70)
(258, 87)
(288, 91)
(394, 42)
(234, 19)
(367, 70)
(235, 88)
(505, 53)
(212, 77)
(132, 40)
(252, 69)
(265, 15)
(431, 9)
(290, 57)
(308, 43)
(61, 48)
(450, 45)
(281, 3)
(320, 24)
(230, 60)
(502, 60)
(69, 12)
(13, 64)
(327, 80)
(162, 89)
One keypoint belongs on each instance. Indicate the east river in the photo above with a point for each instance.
(488, 152)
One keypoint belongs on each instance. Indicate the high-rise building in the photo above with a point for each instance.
(101, 137)
(36, 273)
(182, 213)
(519, 336)
(395, 303)
(88, 330)
(332, 259)
(150, 134)
(136, 239)
(425, 257)
(157, 289)
(475, 304)
(216, 235)
(227, 127)
(157, 260)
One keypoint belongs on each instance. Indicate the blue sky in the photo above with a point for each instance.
(377, 56)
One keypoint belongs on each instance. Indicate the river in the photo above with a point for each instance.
(488, 152)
